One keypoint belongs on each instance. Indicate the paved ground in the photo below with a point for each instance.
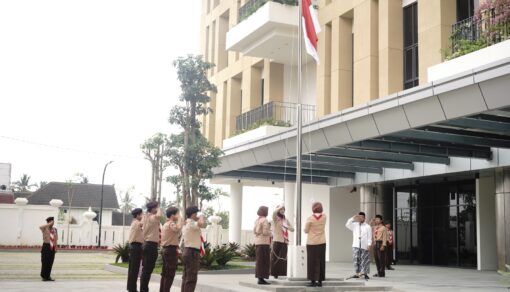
(19, 271)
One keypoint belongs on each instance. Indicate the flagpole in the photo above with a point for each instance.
(299, 128)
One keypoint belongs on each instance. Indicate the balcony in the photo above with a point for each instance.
(280, 114)
(267, 29)
(475, 42)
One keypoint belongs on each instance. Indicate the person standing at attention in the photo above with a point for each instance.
(151, 236)
(262, 231)
(170, 234)
(135, 249)
(193, 249)
(389, 250)
(361, 241)
(316, 246)
(380, 240)
(49, 248)
(281, 228)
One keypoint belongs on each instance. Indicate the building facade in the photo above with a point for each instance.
(394, 123)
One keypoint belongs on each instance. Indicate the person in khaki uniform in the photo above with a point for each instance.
(49, 248)
(281, 227)
(135, 249)
(170, 234)
(316, 246)
(193, 250)
(262, 231)
(379, 241)
(151, 236)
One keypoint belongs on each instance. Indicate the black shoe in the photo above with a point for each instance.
(276, 277)
(262, 282)
(367, 277)
(48, 279)
(311, 284)
(375, 275)
(319, 284)
(390, 268)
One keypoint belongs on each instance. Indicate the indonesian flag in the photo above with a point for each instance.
(311, 28)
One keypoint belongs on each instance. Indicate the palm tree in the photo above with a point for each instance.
(42, 184)
(23, 184)
(126, 201)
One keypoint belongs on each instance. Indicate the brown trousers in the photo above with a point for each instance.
(135, 257)
(47, 258)
(279, 259)
(191, 259)
(380, 258)
(316, 261)
(150, 255)
(389, 255)
(169, 255)
(262, 254)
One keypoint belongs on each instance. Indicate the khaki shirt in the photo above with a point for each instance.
(170, 233)
(262, 231)
(151, 226)
(278, 228)
(315, 228)
(381, 234)
(46, 229)
(191, 234)
(136, 232)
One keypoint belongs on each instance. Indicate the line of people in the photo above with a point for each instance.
(175, 236)
(375, 236)
(272, 245)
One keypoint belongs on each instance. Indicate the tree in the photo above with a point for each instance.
(23, 184)
(189, 151)
(82, 178)
(154, 151)
(126, 201)
(41, 184)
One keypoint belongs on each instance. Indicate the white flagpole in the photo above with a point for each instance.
(299, 126)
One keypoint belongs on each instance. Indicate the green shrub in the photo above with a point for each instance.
(249, 251)
(265, 122)
(122, 252)
(223, 254)
(208, 259)
(235, 247)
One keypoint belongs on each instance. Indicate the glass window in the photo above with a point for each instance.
(410, 46)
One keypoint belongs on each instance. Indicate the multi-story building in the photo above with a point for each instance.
(396, 121)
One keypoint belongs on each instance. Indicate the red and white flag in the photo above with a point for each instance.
(202, 246)
(311, 28)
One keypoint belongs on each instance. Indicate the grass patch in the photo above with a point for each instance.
(157, 269)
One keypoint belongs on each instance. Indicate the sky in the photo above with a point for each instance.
(86, 82)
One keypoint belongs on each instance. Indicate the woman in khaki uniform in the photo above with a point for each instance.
(262, 232)
(281, 228)
(170, 235)
(316, 246)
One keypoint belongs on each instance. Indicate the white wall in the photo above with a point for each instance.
(5, 174)
(345, 204)
(486, 223)
(309, 84)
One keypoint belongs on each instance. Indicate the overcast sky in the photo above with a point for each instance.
(86, 82)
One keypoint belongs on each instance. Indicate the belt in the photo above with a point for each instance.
(170, 246)
(136, 243)
(193, 249)
(151, 242)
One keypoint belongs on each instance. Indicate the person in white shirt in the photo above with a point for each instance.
(361, 241)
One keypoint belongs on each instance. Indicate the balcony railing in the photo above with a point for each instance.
(475, 33)
(274, 113)
(253, 5)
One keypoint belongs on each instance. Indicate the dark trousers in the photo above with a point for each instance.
(135, 256)
(389, 255)
(169, 254)
(47, 258)
(380, 258)
(316, 261)
(150, 255)
(262, 261)
(191, 261)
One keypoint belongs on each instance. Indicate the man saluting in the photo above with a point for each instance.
(49, 248)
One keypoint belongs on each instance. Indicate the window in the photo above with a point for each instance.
(411, 46)
(465, 9)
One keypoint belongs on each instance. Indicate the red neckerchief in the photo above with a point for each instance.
(317, 217)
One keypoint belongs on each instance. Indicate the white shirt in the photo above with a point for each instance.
(360, 230)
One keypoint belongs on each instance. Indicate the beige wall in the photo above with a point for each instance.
(349, 74)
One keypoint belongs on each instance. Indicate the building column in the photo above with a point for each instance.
(486, 224)
(236, 212)
(341, 64)
(502, 209)
(376, 200)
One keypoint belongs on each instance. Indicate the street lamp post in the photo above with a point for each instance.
(101, 208)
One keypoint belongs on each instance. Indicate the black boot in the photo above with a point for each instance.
(311, 284)
(319, 284)
(262, 282)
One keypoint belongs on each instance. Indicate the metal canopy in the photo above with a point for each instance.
(469, 137)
